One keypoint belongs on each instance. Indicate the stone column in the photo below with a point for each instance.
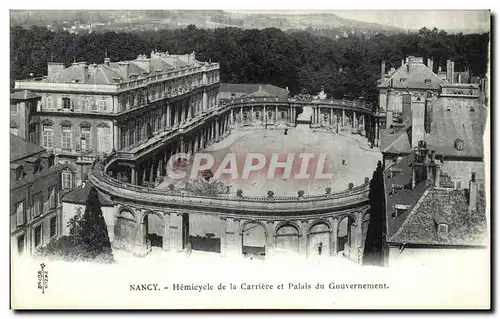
(182, 145)
(167, 125)
(331, 116)
(133, 176)
(303, 238)
(205, 101)
(116, 136)
(151, 171)
(264, 114)
(175, 232)
(270, 240)
(158, 169)
(216, 128)
(251, 115)
(276, 115)
(241, 115)
(166, 232)
(334, 236)
(343, 117)
(223, 236)
(232, 117)
(354, 120)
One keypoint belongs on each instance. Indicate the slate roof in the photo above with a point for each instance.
(395, 140)
(20, 148)
(464, 227)
(251, 88)
(24, 95)
(80, 194)
(452, 118)
(415, 78)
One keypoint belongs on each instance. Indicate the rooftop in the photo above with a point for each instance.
(24, 95)
(80, 194)
(413, 74)
(20, 148)
(248, 89)
(426, 206)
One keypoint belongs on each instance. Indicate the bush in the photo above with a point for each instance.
(367, 180)
(171, 187)
(351, 186)
(270, 194)
(207, 174)
(300, 193)
(239, 193)
(328, 190)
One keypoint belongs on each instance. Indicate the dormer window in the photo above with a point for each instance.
(459, 144)
(402, 80)
(443, 228)
(399, 209)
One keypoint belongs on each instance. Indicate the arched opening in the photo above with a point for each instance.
(318, 240)
(344, 239)
(153, 229)
(125, 229)
(287, 240)
(253, 241)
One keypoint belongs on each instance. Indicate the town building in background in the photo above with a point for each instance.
(35, 186)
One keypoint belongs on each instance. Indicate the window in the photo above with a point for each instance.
(37, 205)
(77, 106)
(19, 173)
(49, 103)
(20, 214)
(442, 228)
(131, 100)
(85, 138)
(38, 236)
(138, 130)
(67, 179)
(103, 137)
(131, 135)
(93, 105)
(14, 130)
(51, 160)
(123, 139)
(66, 137)
(13, 109)
(103, 105)
(52, 198)
(20, 244)
(66, 103)
(48, 136)
(53, 227)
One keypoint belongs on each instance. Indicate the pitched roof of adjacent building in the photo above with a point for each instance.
(395, 140)
(20, 148)
(426, 205)
(246, 89)
(442, 206)
(413, 74)
(24, 95)
(80, 194)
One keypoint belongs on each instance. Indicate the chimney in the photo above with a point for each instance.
(450, 71)
(85, 71)
(473, 192)
(389, 108)
(53, 68)
(382, 71)
(428, 114)
(437, 175)
(430, 64)
(417, 121)
(124, 68)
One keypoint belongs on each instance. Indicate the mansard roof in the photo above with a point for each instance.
(413, 74)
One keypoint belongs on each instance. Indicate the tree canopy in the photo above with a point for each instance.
(345, 68)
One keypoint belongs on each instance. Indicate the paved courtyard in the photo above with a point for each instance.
(360, 160)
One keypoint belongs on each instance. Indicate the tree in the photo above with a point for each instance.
(373, 254)
(88, 238)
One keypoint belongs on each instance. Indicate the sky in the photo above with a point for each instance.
(412, 19)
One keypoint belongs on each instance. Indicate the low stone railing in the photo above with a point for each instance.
(298, 204)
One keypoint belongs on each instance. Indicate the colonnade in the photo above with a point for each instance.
(338, 233)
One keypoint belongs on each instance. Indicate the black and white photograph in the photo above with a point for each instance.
(250, 159)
